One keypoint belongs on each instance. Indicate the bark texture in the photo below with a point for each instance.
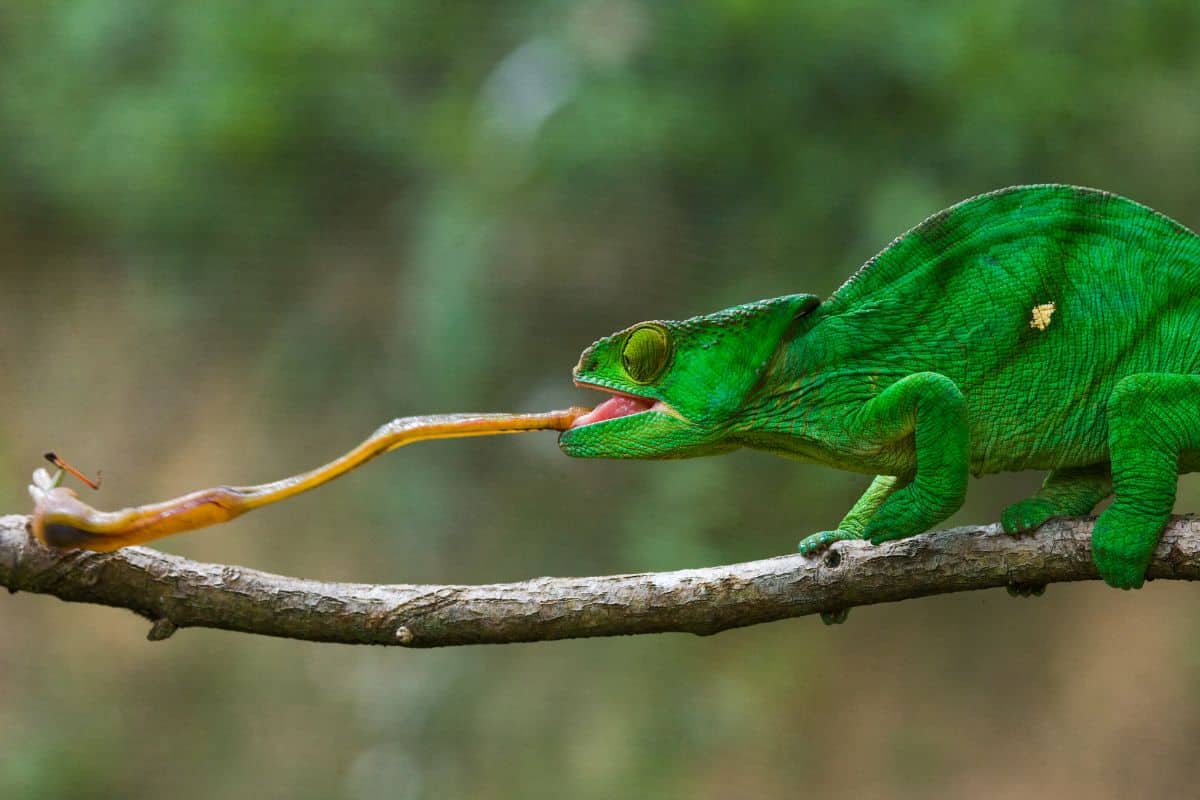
(175, 592)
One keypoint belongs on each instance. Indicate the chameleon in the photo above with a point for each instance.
(1042, 327)
(1046, 327)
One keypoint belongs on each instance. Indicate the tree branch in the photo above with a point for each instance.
(175, 592)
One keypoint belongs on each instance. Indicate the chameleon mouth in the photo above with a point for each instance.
(619, 405)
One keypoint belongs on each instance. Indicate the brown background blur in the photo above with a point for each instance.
(236, 237)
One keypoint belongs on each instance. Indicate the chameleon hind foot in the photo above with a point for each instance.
(1123, 544)
(1025, 589)
(1150, 432)
(1028, 515)
(1065, 493)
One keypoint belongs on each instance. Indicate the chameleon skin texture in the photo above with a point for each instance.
(1037, 327)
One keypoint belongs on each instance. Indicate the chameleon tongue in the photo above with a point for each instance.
(62, 520)
(616, 406)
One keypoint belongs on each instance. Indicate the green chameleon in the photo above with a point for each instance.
(1037, 327)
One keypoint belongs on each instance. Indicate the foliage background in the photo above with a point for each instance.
(236, 236)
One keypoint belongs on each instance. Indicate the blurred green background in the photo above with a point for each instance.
(235, 237)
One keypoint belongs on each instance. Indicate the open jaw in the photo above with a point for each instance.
(619, 405)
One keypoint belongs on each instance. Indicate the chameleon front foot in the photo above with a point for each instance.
(811, 545)
(1025, 589)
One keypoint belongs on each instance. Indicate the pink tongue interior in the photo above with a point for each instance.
(616, 406)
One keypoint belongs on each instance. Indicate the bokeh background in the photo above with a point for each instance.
(235, 237)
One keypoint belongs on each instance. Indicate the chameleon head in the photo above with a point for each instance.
(677, 386)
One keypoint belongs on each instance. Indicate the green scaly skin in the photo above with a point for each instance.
(1038, 327)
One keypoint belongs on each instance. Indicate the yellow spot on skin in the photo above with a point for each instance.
(1041, 316)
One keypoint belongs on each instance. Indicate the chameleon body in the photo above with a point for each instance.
(1038, 327)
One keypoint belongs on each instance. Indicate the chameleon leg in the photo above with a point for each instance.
(851, 527)
(1151, 422)
(927, 409)
(1065, 493)
(855, 521)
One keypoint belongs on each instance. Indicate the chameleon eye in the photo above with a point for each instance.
(644, 353)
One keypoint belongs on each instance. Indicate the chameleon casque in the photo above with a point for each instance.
(1039, 327)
